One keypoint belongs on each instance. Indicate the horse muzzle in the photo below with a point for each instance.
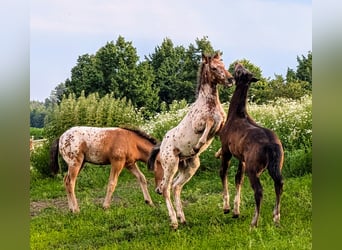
(230, 82)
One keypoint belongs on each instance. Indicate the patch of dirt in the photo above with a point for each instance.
(36, 207)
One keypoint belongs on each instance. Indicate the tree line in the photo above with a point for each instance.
(166, 75)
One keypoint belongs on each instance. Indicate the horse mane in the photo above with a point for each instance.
(201, 74)
(141, 133)
(199, 77)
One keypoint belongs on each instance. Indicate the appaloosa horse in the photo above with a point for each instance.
(120, 147)
(182, 145)
(255, 147)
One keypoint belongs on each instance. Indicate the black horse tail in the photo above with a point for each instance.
(54, 156)
(275, 155)
(152, 158)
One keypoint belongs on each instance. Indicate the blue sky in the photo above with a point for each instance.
(269, 33)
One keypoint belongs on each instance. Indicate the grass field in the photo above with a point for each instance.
(131, 224)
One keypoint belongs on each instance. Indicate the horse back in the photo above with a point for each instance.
(242, 136)
(94, 145)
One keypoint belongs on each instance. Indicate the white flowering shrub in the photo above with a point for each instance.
(290, 119)
(166, 120)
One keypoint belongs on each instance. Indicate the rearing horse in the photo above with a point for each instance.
(182, 145)
(120, 147)
(255, 147)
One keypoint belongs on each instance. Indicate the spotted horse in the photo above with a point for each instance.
(182, 145)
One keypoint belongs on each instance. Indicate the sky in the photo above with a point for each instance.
(269, 33)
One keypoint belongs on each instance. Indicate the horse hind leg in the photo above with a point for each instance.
(69, 184)
(142, 181)
(258, 194)
(186, 171)
(278, 187)
(170, 167)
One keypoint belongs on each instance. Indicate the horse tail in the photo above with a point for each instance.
(54, 156)
(152, 158)
(275, 155)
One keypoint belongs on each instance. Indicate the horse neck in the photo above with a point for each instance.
(207, 89)
(238, 103)
(144, 148)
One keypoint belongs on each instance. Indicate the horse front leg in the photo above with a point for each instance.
(142, 181)
(204, 138)
(113, 180)
(225, 162)
(238, 183)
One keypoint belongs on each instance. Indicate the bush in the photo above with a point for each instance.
(166, 120)
(297, 163)
(290, 119)
(90, 111)
(40, 160)
(37, 133)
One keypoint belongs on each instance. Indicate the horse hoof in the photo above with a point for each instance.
(183, 222)
(226, 211)
(150, 203)
(235, 216)
(174, 226)
(254, 225)
(105, 207)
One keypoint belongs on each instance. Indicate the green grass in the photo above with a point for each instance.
(131, 224)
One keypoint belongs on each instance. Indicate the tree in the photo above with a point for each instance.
(303, 72)
(115, 69)
(86, 76)
(304, 68)
(256, 90)
(176, 69)
(37, 114)
(56, 95)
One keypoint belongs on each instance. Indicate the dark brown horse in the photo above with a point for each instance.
(255, 147)
(120, 147)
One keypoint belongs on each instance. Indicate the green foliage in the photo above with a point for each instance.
(115, 69)
(297, 162)
(165, 120)
(37, 133)
(37, 114)
(290, 119)
(90, 111)
(40, 161)
(168, 74)
(304, 68)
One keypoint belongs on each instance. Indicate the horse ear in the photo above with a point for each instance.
(217, 55)
(204, 58)
(254, 79)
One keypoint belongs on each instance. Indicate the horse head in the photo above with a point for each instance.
(217, 71)
(242, 75)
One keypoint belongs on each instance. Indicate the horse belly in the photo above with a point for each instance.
(179, 141)
(96, 156)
